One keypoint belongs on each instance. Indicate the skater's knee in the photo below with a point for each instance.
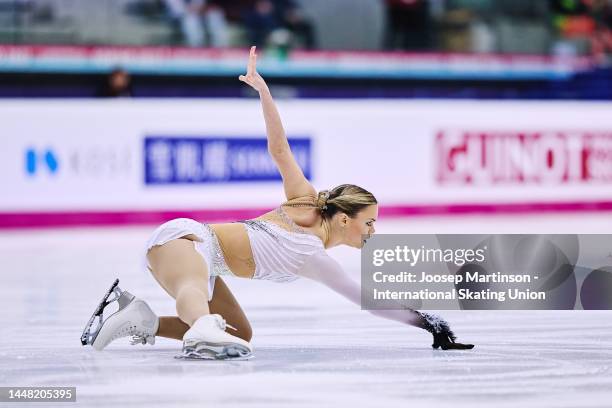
(192, 290)
(191, 303)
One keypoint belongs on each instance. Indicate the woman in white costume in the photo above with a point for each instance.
(187, 258)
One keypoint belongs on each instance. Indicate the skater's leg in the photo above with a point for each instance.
(171, 327)
(223, 303)
(182, 272)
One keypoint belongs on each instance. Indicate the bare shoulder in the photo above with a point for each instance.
(306, 217)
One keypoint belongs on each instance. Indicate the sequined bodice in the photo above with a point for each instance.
(279, 246)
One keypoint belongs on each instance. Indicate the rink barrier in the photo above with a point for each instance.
(18, 220)
(301, 64)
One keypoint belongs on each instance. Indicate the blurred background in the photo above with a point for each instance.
(543, 49)
(131, 111)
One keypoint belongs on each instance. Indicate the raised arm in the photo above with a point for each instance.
(322, 268)
(294, 182)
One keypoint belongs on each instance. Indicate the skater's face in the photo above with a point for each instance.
(354, 229)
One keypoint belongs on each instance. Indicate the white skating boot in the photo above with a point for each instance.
(207, 340)
(134, 318)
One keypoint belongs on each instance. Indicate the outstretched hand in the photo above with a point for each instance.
(447, 342)
(443, 336)
(252, 77)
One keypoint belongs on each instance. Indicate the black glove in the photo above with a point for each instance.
(443, 336)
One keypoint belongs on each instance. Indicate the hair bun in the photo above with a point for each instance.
(322, 200)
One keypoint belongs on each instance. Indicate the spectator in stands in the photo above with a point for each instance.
(266, 18)
(601, 42)
(575, 25)
(201, 23)
(409, 25)
(571, 17)
(260, 20)
(293, 18)
(117, 84)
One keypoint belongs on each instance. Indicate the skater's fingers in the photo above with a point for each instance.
(252, 65)
(459, 346)
(252, 62)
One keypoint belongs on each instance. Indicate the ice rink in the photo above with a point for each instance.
(312, 347)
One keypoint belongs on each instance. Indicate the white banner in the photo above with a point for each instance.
(81, 155)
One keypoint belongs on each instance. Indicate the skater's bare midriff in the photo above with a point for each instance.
(236, 247)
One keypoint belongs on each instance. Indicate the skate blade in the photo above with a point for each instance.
(197, 357)
(87, 337)
(209, 351)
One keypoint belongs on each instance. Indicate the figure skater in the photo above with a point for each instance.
(188, 258)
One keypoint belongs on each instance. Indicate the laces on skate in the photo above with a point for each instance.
(141, 338)
(223, 324)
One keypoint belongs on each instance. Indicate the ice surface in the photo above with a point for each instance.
(312, 347)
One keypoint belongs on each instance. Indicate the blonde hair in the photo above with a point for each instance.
(346, 198)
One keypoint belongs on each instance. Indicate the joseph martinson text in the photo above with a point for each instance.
(458, 294)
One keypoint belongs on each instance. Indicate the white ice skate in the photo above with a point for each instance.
(134, 318)
(207, 340)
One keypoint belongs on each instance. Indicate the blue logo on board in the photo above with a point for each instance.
(185, 160)
(34, 160)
